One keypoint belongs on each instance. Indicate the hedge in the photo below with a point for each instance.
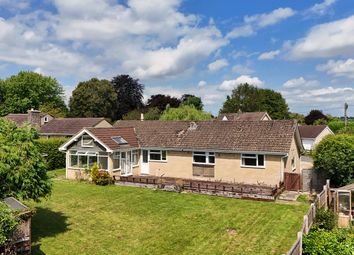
(50, 149)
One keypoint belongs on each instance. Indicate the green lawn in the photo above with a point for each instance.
(81, 218)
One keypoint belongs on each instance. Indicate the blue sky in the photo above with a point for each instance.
(303, 48)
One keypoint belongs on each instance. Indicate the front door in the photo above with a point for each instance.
(126, 163)
(145, 162)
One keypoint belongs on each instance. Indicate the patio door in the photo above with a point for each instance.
(145, 162)
(126, 164)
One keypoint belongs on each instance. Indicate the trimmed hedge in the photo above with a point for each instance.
(50, 148)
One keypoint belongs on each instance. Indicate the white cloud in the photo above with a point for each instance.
(218, 64)
(14, 5)
(321, 8)
(231, 84)
(258, 21)
(148, 39)
(300, 83)
(269, 55)
(344, 68)
(326, 40)
(202, 84)
(243, 68)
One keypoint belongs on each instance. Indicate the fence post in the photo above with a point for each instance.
(326, 196)
(306, 221)
(299, 236)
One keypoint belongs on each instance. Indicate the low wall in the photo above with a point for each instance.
(312, 180)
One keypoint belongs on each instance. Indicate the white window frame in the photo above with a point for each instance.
(158, 152)
(136, 152)
(86, 145)
(207, 154)
(243, 156)
(45, 120)
(87, 154)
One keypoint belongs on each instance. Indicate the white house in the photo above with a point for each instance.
(311, 135)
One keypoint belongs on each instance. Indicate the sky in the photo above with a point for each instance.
(303, 49)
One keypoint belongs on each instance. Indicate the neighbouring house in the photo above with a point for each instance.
(311, 135)
(67, 127)
(33, 117)
(252, 152)
(245, 116)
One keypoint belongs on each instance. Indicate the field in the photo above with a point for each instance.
(81, 218)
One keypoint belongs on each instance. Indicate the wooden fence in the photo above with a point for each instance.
(323, 200)
(238, 190)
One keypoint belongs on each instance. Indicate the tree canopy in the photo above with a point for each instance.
(185, 112)
(315, 115)
(23, 172)
(129, 94)
(27, 90)
(161, 101)
(93, 98)
(248, 98)
(187, 99)
(334, 156)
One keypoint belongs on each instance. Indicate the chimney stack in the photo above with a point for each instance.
(34, 117)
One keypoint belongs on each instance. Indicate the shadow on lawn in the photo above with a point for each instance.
(46, 223)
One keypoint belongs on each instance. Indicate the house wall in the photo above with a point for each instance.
(294, 153)
(322, 135)
(227, 168)
(102, 124)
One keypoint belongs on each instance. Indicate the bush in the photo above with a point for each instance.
(100, 177)
(325, 219)
(50, 147)
(334, 157)
(320, 241)
(8, 223)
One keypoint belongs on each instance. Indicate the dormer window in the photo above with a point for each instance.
(45, 119)
(86, 141)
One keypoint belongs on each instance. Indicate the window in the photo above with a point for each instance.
(103, 160)
(45, 119)
(293, 166)
(252, 160)
(86, 141)
(135, 157)
(73, 159)
(157, 155)
(200, 157)
(116, 160)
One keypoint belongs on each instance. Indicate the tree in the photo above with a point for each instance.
(315, 115)
(334, 157)
(161, 101)
(297, 116)
(185, 112)
(248, 98)
(187, 99)
(28, 90)
(23, 172)
(152, 114)
(93, 98)
(129, 94)
(53, 111)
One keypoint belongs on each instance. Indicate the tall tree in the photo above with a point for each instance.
(161, 101)
(315, 115)
(248, 98)
(185, 112)
(188, 99)
(129, 94)
(23, 172)
(27, 90)
(93, 98)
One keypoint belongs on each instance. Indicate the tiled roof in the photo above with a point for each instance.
(105, 135)
(311, 131)
(68, 126)
(18, 118)
(242, 116)
(260, 136)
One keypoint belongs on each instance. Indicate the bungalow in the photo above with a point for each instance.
(244, 116)
(252, 152)
(311, 135)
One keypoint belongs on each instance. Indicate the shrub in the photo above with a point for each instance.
(100, 177)
(339, 242)
(325, 219)
(8, 223)
(50, 148)
(334, 157)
